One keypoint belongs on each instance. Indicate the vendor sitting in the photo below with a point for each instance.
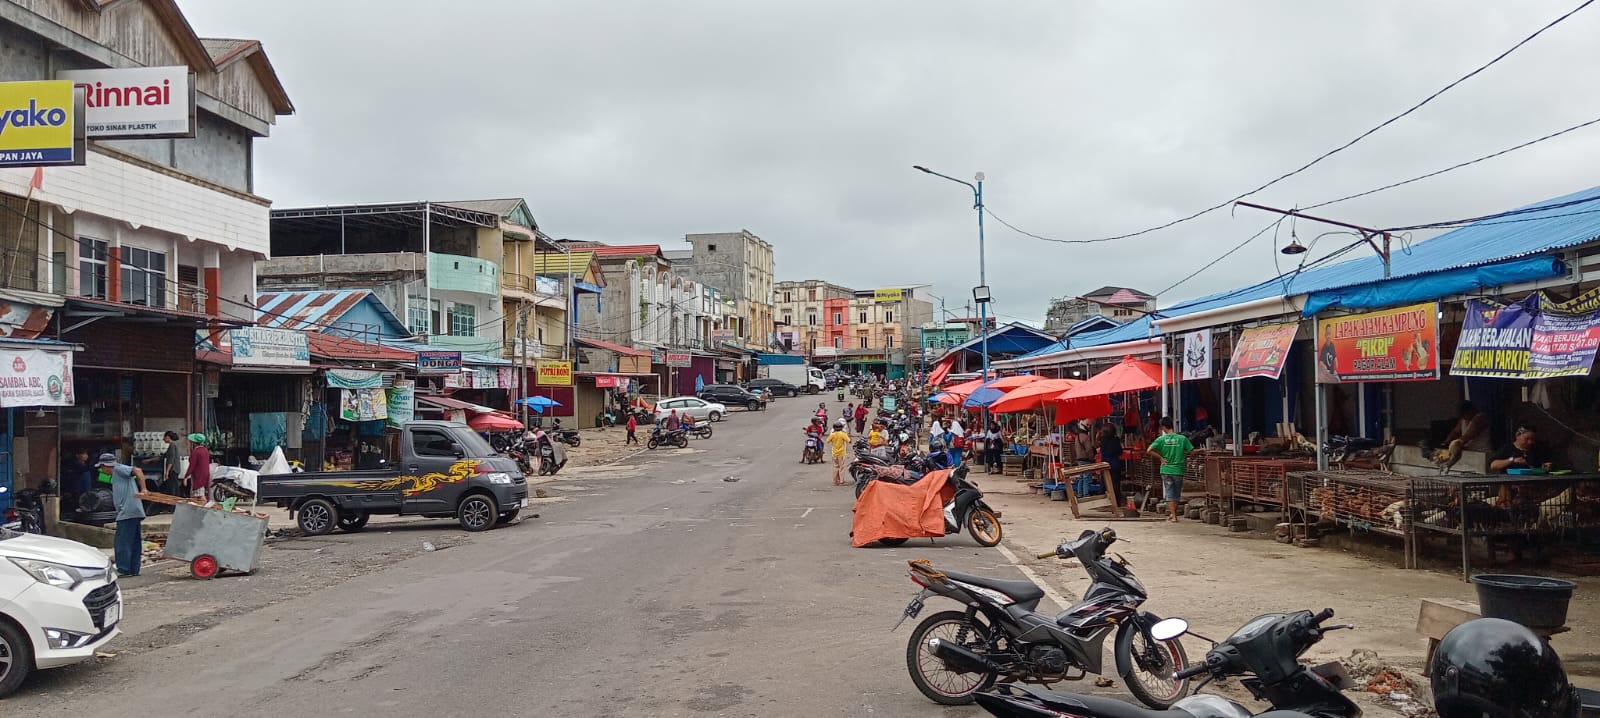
(1521, 453)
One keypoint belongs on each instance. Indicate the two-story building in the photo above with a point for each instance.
(150, 235)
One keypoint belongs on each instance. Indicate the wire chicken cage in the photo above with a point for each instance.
(1505, 506)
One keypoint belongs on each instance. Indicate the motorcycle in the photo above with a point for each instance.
(966, 508)
(699, 429)
(665, 437)
(1266, 650)
(566, 436)
(552, 456)
(26, 513)
(813, 450)
(953, 655)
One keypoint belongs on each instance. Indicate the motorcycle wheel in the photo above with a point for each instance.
(892, 542)
(937, 680)
(1149, 677)
(705, 433)
(984, 526)
(652, 443)
(683, 441)
(576, 441)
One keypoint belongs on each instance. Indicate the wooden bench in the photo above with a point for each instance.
(1439, 615)
(1068, 473)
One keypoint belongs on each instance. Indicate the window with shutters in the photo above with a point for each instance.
(463, 320)
(191, 296)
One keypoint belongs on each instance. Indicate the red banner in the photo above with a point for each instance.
(607, 381)
(1261, 351)
(1400, 344)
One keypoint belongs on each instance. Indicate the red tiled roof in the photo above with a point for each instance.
(609, 346)
(626, 250)
(337, 347)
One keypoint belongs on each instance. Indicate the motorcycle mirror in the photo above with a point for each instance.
(4, 489)
(1169, 629)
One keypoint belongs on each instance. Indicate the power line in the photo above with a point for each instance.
(1225, 255)
(1436, 173)
(1501, 215)
(1323, 156)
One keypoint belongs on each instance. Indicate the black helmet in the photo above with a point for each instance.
(1493, 668)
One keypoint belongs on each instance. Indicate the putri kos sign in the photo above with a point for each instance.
(136, 101)
(41, 123)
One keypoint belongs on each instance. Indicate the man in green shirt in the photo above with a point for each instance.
(1171, 448)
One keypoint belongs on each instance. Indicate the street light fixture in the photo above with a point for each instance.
(1294, 247)
(981, 294)
(983, 280)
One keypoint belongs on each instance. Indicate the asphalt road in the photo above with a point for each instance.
(717, 580)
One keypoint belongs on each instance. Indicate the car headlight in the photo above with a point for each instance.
(54, 574)
(498, 477)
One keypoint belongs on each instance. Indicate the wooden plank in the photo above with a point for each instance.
(1439, 615)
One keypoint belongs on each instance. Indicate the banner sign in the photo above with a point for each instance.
(41, 123)
(1565, 336)
(35, 377)
(1400, 344)
(722, 336)
(553, 372)
(1495, 339)
(608, 381)
(887, 296)
(437, 362)
(363, 404)
(354, 379)
(264, 346)
(130, 102)
(1261, 351)
(402, 402)
(679, 359)
(1197, 355)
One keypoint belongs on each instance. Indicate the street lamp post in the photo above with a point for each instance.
(980, 293)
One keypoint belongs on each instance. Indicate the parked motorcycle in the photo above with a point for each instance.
(966, 509)
(699, 430)
(813, 450)
(552, 456)
(664, 437)
(26, 513)
(952, 655)
(566, 436)
(1266, 649)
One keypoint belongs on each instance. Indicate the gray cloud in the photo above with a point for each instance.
(642, 121)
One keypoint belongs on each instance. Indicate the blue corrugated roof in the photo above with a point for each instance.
(1478, 244)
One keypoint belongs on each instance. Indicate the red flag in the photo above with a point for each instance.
(38, 179)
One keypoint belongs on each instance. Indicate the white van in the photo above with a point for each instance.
(59, 603)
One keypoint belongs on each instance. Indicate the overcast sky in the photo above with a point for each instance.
(632, 122)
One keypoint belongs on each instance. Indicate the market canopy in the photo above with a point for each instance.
(1129, 375)
(1033, 396)
(1088, 407)
(494, 422)
(996, 388)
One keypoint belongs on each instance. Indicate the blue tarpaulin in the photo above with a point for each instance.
(1425, 287)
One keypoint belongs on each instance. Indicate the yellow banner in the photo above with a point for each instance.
(38, 124)
(885, 296)
(553, 372)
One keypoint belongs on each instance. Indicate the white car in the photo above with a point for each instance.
(59, 603)
(696, 407)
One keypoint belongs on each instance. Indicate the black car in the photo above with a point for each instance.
(778, 387)
(732, 396)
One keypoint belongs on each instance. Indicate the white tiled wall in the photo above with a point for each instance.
(111, 187)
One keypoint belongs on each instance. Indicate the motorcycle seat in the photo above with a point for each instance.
(1020, 591)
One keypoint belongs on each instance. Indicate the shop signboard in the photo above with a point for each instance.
(484, 378)
(1197, 355)
(722, 336)
(679, 359)
(887, 296)
(438, 362)
(553, 372)
(1399, 344)
(608, 381)
(35, 377)
(1496, 339)
(1261, 351)
(268, 347)
(41, 124)
(1565, 336)
(136, 102)
(402, 402)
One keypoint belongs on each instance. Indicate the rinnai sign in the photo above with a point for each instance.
(41, 124)
(34, 377)
(136, 101)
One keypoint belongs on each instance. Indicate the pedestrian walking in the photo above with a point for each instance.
(956, 439)
(991, 448)
(1171, 448)
(861, 418)
(198, 475)
(840, 442)
(126, 481)
(633, 426)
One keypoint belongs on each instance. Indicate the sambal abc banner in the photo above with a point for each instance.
(1400, 344)
(1495, 339)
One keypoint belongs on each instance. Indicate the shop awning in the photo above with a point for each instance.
(445, 402)
(337, 347)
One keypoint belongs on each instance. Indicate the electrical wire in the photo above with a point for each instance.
(1225, 255)
(1499, 215)
(1319, 158)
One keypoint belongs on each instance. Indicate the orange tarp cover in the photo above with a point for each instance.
(891, 510)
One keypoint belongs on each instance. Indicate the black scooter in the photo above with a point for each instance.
(661, 436)
(953, 655)
(1266, 649)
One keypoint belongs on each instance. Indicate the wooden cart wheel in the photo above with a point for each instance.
(204, 566)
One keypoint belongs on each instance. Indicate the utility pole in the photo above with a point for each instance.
(522, 353)
(1368, 234)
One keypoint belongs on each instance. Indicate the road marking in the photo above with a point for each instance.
(1049, 592)
(808, 511)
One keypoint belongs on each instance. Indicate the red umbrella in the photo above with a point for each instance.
(1032, 396)
(964, 388)
(1130, 375)
(1088, 407)
(494, 422)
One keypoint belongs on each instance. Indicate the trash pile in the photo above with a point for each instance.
(1392, 686)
